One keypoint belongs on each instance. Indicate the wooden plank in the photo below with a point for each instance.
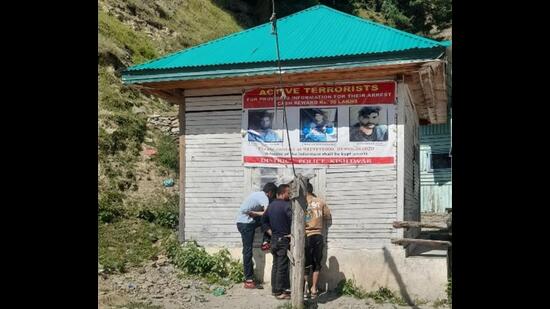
(214, 193)
(181, 224)
(364, 73)
(204, 173)
(391, 169)
(234, 154)
(212, 200)
(365, 187)
(364, 181)
(215, 105)
(196, 131)
(213, 98)
(424, 242)
(222, 186)
(362, 232)
(217, 91)
(347, 170)
(216, 138)
(372, 191)
(226, 117)
(366, 197)
(200, 173)
(220, 164)
(343, 221)
(402, 98)
(360, 206)
(357, 243)
(213, 161)
(213, 122)
(232, 139)
(209, 183)
(367, 202)
(359, 175)
(227, 207)
(409, 224)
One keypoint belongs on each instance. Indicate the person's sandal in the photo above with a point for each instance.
(249, 284)
(283, 296)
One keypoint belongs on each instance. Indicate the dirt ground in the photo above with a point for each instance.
(160, 285)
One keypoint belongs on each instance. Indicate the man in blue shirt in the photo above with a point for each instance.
(248, 219)
(264, 133)
(319, 129)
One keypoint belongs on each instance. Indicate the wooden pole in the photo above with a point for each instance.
(181, 225)
(409, 224)
(299, 204)
(426, 242)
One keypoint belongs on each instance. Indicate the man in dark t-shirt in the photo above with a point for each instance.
(277, 221)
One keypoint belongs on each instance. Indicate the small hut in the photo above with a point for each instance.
(335, 68)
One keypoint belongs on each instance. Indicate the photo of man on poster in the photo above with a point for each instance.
(368, 128)
(260, 127)
(318, 125)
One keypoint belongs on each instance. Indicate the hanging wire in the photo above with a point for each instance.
(274, 31)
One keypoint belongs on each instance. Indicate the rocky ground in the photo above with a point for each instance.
(159, 285)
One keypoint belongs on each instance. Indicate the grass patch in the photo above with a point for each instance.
(440, 303)
(138, 44)
(193, 259)
(138, 305)
(168, 153)
(382, 295)
(163, 213)
(449, 290)
(129, 242)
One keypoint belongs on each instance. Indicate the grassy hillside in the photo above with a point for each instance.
(136, 213)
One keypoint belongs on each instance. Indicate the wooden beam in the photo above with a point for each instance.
(428, 99)
(172, 96)
(359, 73)
(425, 242)
(409, 224)
(181, 225)
(299, 205)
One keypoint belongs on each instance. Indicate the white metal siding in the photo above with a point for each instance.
(363, 199)
(214, 176)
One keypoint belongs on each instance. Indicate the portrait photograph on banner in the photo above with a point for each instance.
(260, 127)
(368, 123)
(318, 125)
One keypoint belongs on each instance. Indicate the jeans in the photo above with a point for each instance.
(280, 281)
(247, 235)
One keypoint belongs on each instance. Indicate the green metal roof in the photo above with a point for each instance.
(318, 32)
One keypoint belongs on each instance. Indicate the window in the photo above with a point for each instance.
(440, 161)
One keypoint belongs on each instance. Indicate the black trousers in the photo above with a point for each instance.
(280, 280)
(314, 253)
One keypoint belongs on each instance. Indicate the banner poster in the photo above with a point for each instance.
(340, 124)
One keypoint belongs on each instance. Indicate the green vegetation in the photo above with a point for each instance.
(194, 260)
(382, 295)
